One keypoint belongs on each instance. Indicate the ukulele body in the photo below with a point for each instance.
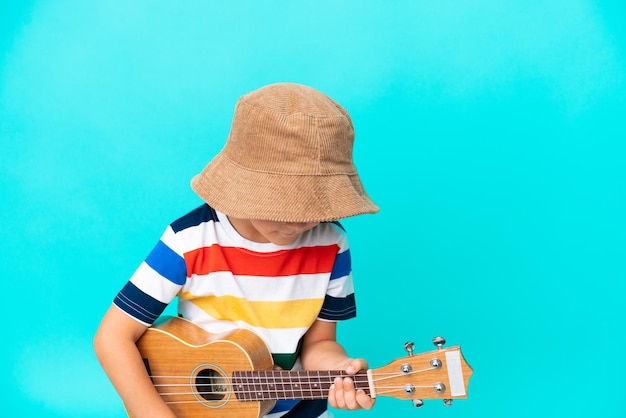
(192, 368)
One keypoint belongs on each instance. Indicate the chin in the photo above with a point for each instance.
(284, 241)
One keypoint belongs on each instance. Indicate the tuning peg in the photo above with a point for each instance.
(447, 402)
(408, 346)
(439, 342)
(418, 403)
(439, 387)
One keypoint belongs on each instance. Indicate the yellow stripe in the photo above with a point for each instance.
(290, 314)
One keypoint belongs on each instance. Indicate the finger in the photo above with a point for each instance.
(332, 395)
(364, 400)
(356, 365)
(349, 394)
(339, 395)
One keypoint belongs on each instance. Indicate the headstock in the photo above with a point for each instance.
(439, 374)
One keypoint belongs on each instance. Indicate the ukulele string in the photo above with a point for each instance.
(286, 379)
(225, 386)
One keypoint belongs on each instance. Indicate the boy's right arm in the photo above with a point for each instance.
(116, 349)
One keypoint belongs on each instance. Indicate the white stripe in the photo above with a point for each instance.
(455, 373)
(282, 340)
(341, 287)
(266, 289)
(278, 340)
(155, 285)
(202, 235)
(169, 238)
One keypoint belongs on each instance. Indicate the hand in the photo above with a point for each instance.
(342, 394)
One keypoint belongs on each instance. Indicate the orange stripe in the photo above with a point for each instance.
(306, 260)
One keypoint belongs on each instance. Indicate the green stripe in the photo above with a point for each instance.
(286, 360)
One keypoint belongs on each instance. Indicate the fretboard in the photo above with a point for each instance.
(280, 384)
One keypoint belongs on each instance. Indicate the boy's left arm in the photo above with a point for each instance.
(321, 351)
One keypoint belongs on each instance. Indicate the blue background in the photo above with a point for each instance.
(491, 134)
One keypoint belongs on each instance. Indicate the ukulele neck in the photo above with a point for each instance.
(283, 385)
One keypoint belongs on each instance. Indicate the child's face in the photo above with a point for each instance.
(279, 233)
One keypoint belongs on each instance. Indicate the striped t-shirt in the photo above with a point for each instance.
(224, 281)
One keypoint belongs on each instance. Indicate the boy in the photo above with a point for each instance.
(265, 251)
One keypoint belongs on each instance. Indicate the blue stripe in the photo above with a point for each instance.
(308, 409)
(167, 263)
(138, 304)
(282, 406)
(343, 265)
(339, 225)
(338, 309)
(204, 213)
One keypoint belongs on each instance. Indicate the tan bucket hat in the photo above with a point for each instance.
(288, 158)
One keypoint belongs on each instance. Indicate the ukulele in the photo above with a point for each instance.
(199, 374)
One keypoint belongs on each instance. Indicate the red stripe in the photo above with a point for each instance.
(306, 260)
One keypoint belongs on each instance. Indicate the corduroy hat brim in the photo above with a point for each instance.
(288, 158)
(245, 194)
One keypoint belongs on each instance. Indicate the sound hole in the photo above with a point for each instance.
(211, 385)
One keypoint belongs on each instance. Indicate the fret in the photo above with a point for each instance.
(298, 384)
(249, 389)
(257, 378)
(319, 385)
(362, 382)
(238, 386)
(303, 385)
(331, 377)
(279, 385)
(269, 385)
(258, 387)
(286, 386)
(264, 388)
